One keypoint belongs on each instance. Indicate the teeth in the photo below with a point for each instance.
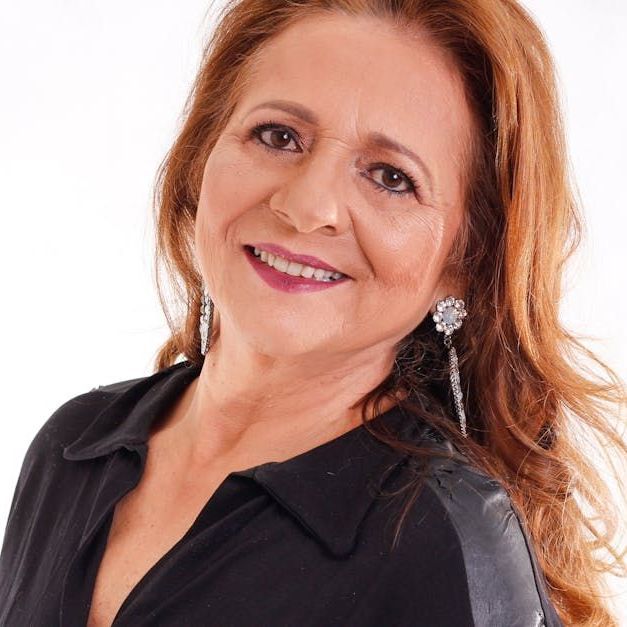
(296, 269)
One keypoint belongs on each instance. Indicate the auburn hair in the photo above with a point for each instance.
(538, 400)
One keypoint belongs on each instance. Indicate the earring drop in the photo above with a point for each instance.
(448, 317)
(206, 316)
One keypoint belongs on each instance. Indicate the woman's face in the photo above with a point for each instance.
(320, 184)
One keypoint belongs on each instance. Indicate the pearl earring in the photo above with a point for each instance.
(448, 317)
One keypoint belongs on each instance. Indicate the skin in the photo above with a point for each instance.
(280, 378)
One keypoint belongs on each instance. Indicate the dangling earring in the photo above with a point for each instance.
(206, 317)
(448, 318)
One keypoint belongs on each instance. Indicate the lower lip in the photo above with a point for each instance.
(285, 282)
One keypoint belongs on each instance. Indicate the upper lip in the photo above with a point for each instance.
(308, 260)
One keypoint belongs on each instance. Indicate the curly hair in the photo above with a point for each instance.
(535, 409)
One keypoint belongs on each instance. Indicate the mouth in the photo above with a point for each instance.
(306, 272)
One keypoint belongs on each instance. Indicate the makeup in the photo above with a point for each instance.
(285, 282)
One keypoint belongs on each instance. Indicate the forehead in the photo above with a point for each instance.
(358, 74)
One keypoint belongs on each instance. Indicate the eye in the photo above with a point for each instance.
(391, 177)
(278, 136)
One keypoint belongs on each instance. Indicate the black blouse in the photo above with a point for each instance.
(302, 542)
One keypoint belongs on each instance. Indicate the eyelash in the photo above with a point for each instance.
(255, 133)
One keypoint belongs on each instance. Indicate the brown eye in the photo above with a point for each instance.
(279, 139)
(390, 179)
(273, 137)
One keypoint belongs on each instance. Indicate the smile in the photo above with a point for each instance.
(293, 268)
(290, 276)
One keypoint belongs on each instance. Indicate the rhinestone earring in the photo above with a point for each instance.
(448, 317)
(206, 317)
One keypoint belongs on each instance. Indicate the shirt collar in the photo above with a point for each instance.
(329, 489)
(129, 409)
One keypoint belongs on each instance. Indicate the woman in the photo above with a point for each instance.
(368, 213)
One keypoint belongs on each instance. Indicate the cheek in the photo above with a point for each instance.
(236, 167)
(410, 255)
(232, 182)
(214, 206)
(218, 202)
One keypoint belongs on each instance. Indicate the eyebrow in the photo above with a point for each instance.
(374, 138)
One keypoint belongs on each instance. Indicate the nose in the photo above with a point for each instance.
(314, 195)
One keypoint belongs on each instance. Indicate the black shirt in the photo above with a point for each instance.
(302, 542)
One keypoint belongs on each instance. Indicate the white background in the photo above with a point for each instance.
(91, 94)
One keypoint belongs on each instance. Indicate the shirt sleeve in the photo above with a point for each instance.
(505, 584)
(24, 505)
(40, 480)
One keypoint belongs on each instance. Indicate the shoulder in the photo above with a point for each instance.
(47, 484)
(70, 418)
(505, 584)
(43, 468)
(94, 421)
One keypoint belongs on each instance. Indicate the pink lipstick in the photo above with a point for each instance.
(285, 282)
(306, 260)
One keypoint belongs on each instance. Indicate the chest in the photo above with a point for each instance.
(147, 523)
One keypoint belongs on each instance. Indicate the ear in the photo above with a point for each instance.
(446, 287)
